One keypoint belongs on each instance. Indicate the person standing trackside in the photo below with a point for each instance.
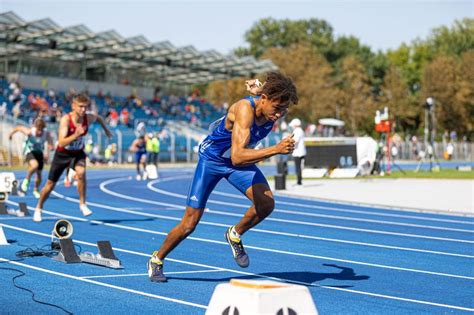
(73, 128)
(300, 149)
(153, 149)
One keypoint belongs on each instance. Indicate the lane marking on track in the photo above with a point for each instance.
(265, 249)
(275, 232)
(243, 273)
(181, 196)
(340, 209)
(146, 274)
(257, 230)
(315, 207)
(65, 275)
(107, 191)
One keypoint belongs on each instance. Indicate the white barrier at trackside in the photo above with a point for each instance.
(260, 297)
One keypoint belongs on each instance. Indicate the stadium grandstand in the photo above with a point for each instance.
(130, 80)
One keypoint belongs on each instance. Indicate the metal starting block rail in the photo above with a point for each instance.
(105, 257)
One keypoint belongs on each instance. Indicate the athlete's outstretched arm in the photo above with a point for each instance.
(240, 154)
(94, 117)
(24, 130)
(133, 146)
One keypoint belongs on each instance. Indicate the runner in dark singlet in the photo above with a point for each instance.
(70, 150)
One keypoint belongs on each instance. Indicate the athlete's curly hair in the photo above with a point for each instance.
(280, 87)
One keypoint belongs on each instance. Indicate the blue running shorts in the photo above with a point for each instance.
(138, 156)
(209, 173)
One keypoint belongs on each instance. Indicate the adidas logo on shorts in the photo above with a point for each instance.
(194, 198)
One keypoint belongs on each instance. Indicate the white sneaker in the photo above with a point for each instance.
(85, 210)
(37, 215)
(145, 175)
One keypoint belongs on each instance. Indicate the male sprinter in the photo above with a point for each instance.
(36, 148)
(139, 147)
(228, 152)
(72, 130)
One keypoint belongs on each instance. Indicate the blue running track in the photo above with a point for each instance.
(353, 259)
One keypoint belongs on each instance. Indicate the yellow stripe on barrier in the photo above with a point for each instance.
(256, 285)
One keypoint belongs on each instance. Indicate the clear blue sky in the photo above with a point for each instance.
(221, 25)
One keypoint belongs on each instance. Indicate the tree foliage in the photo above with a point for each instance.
(312, 75)
(341, 77)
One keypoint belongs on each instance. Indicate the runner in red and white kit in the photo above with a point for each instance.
(70, 150)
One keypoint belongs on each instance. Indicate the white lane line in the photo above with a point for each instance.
(272, 250)
(115, 276)
(334, 209)
(65, 275)
(192, 271)
(257, 230)
(276, 210)
(301, 205)
(107, 191)
(261, 276)
(23, 218)
(146, 274)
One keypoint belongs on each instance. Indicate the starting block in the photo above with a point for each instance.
(24, 209)
(68, 253)
(105, 257)
(3, 239)
(260, 297)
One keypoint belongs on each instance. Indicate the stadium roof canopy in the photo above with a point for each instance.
(46, 39)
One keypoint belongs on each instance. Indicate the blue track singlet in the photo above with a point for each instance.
(216, 146)
(215, 163)
(141, 150)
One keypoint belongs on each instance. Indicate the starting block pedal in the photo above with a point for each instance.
(18, 213)
(260, 297)
(105, 257)
(68, 253)
(3, 208)
(24, 209)
(15, 188)
(105, 250)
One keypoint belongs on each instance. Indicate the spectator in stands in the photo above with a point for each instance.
(36, 148)
(71, 136)
(125, 117)
(228, 152)
(300, 149)
(139, 148)
(113, 118)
